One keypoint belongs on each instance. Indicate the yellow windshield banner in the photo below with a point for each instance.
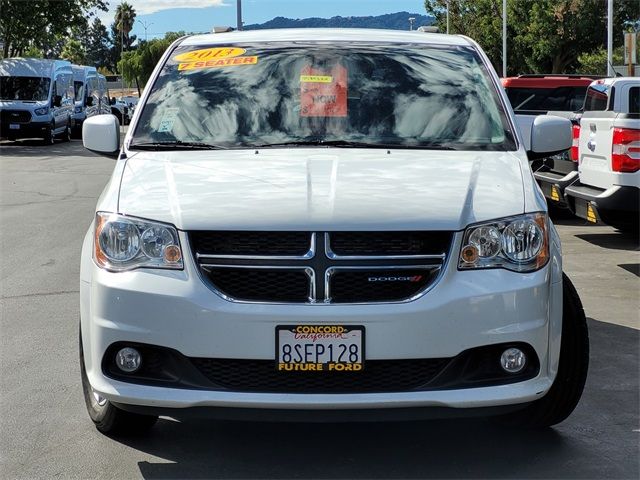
(223, 62)
(209, 54)
(316, 78)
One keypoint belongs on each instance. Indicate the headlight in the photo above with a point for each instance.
(78, 109)
(517, 243)
(124, 243)
(41, 111)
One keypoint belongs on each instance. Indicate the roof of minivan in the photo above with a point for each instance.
(326, 35)
(30, 67)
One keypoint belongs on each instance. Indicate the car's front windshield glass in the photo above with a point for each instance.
(260, 95)
(24, 88)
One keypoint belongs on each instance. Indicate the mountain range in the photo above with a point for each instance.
(393, 21)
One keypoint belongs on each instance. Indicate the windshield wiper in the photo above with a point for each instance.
(354, 144)
(175, 145)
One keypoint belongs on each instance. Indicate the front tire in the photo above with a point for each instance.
(67, 134)
(49, 135)
(564, 394)
(107, 418)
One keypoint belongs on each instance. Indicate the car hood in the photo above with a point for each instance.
(321, 189)
(23, 104)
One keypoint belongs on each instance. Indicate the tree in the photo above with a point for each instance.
(121, 37)
(98, 46)
(39, 23)
(33, 52)
(124, 21)
(74, 52)
(544, 36)
(137, 66)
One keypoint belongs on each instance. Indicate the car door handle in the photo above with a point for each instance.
(591, 145)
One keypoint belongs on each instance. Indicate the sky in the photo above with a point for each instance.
(161, 16)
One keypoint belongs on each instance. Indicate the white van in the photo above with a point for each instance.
(36, 99)
(91, 95)
(82, 75)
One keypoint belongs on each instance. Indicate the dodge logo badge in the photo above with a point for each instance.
(412, 278)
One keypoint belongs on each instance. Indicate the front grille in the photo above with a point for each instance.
(320, 267)
(262, 284)
(251, 243)
(389, 243)
(378, 376)
(368, 285)
(15, 116)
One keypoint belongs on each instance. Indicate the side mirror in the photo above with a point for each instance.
(549, 135)
(89, 102)
(101, 134)
(56, 101)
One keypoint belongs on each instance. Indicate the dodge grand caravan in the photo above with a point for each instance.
(326, 224)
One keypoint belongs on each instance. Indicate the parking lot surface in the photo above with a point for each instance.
(47, 197)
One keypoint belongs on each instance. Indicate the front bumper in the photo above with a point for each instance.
(25, 130)
(176, 310)
(617, 205)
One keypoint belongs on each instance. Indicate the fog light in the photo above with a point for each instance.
(513, 360)
(128, 359)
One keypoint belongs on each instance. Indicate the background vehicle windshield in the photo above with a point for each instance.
(567, 99)
(78, 88)
(258, 95)
(24, 88)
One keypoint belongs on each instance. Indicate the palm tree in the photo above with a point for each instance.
(125, 18)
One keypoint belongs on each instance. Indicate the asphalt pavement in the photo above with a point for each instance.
(47, 199)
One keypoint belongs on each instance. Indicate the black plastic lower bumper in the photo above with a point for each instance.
(472, 368)
(322, 416)
(616, 206)
(553, 185)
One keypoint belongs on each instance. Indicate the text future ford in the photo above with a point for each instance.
(326, 224)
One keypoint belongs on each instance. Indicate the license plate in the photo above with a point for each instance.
(319, 348)
(14, 126)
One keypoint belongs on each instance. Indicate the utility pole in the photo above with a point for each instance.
(411, 20)
(610, 38)
(447, 17)
(145, 25)
(504, 38)
(239, 13)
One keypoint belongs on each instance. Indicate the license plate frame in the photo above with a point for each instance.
(348, 335)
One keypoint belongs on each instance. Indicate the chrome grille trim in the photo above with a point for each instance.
(320, 263)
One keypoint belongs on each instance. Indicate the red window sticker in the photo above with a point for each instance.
(323, 93)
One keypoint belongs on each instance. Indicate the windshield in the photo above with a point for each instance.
(379, 95)
(24, 88)
(78, 88)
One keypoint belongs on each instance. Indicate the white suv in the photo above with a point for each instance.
(326, 224)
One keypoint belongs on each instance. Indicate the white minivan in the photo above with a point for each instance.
(36, 99)
(326, 224)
